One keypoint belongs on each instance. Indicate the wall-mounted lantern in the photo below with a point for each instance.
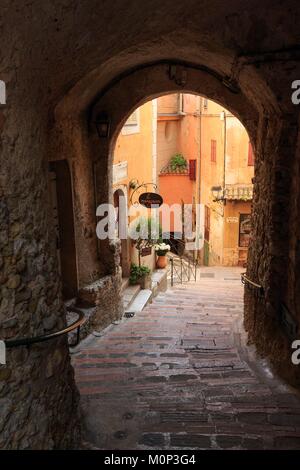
(102, 123)
(133, 184)
(217, 193)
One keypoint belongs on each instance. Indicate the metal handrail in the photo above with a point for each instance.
(182, 270)
(246, 281)
(14, 343)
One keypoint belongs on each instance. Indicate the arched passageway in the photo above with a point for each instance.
(97, 68)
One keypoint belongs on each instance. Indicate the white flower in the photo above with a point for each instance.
(162, 247)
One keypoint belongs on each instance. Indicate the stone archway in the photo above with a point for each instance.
(266, 133)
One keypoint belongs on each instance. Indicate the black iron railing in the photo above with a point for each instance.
(14, 343)
(182, 269)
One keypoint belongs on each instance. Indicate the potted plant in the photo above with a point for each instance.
(140, 275)
(144, 233)
(161, 250)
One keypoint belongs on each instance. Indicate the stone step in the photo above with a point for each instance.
(129, 294)
(125, 283)
(140, 301)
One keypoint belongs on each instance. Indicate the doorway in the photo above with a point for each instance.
(62, 208)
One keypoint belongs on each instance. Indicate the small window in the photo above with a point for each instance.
(213, 151)
(250, 155)
(132, 125)
(192, 170)
(133, 119)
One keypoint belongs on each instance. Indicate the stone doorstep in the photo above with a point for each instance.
(125, 284)
(143, 296)
(129, 294)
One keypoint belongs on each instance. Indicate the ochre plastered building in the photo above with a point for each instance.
(216, 147)
(134, 164)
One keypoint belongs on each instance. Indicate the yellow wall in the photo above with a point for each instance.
(233, 254)
(136, 149)
(223, 235)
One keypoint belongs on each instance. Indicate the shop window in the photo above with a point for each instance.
(244, 230)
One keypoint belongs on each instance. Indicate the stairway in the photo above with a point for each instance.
(179, 376)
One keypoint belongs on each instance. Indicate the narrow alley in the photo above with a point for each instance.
(179, 375)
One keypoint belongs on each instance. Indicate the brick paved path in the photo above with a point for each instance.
(175, 376)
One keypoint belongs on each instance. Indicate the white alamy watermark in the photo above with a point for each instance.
(296, 94)
(296, 354)
(2, 353)
(2, 92)
(155, 223)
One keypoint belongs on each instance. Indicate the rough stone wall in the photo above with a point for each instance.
(271, 258)
(38, 400)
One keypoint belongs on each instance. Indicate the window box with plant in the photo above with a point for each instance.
(140, 275)
(178, 162)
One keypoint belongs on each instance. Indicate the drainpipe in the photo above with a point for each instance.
(224, 163)
(198, 178)
(200, 148)
(224, 182)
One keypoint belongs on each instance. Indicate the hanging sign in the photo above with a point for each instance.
(150, 199)
(146, 251)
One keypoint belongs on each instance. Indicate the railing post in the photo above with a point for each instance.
(172, 272)
(181, 270)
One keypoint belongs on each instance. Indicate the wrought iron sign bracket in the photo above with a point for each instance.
(143, 185)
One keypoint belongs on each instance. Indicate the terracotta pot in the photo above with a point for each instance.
(161, 262)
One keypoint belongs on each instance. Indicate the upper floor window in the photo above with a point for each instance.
(213, 151)
(132, 125)
(250, 155)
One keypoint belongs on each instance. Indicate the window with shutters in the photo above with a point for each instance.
(213, 151)
(192, 170)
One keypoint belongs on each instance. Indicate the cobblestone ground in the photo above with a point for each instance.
(178, 375)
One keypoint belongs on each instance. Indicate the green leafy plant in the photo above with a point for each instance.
(178, 161)
(145, 228)
(137, 272)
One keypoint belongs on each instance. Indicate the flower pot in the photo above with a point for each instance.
(161, 262)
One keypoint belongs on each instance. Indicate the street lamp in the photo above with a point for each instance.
(102, 123)
(217, 193)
